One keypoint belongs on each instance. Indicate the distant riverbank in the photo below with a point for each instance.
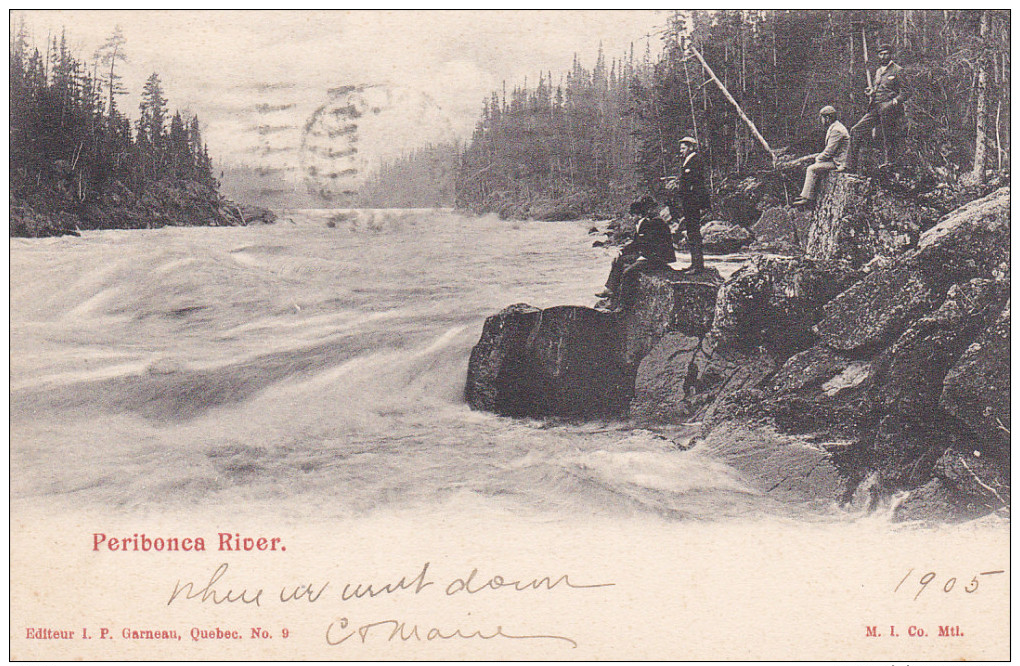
(163, 203)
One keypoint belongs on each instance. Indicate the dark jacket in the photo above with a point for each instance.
(652, 241)
(692, 191)
(890, 85)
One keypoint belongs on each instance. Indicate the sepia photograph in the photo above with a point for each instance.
(509, 335)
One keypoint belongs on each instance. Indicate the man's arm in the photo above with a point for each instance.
(902, 87)
(831, 147)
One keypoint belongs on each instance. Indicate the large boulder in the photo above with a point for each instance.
(972, 241)
(579, 361)
(775, 301)
(499, 371)
(856, 219)
(574, 370)
(781, 229)
(720, 237)
(876, 310)
(741, 199)
(558, 361)
(976, 390)
(656, 300)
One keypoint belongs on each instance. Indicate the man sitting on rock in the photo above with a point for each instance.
(652, 246)
(837, 147)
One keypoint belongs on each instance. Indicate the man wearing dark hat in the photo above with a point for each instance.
(837, 145)
(886, 96)
(652, 246)
(689, 188)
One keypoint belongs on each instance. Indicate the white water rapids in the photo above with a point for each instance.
(308, 369)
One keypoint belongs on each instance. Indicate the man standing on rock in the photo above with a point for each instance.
(652, 245)
(837, 145)
(689, 188)
(886, 96)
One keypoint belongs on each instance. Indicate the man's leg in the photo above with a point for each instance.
(620, 265)
(890, 136)
(860, 133)
(692, 222)
(814, 173)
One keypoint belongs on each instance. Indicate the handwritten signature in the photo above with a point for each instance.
(339, 631)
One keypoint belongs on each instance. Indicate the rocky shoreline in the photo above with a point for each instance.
(163, 203)
(870, 367)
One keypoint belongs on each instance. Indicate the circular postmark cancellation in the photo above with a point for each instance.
(343, 138)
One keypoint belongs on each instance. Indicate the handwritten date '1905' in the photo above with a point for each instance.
(947, 585)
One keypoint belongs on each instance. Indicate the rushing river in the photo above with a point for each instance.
(315, 369)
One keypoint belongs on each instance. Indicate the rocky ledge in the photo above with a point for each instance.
(870, 371)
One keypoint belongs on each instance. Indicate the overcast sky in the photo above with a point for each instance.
(257, 79)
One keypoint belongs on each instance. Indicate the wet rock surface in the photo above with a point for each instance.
(822, 378)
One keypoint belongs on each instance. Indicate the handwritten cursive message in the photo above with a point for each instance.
(220, 588)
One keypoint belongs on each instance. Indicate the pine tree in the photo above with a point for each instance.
(109, 54)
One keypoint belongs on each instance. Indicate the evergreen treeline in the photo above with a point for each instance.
(556, 151)
(602, 136)
(423, 178)
(77, 161)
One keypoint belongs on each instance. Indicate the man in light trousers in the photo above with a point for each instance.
(837, 148)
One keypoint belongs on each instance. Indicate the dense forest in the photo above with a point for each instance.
(595, 138)
(78, 162)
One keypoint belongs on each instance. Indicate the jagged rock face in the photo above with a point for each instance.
(904, 372)
(775, 301)
(876, 310)
(663, 379)
(781, 229)
(820, 390)
(855, 220)
(976, 390)
(909, 376)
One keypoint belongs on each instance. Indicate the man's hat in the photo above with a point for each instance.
(643, 206)
(884, 47)
(689, 140)
(827, 111)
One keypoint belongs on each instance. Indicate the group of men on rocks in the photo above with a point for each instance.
(886, 96)
(687, 193)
